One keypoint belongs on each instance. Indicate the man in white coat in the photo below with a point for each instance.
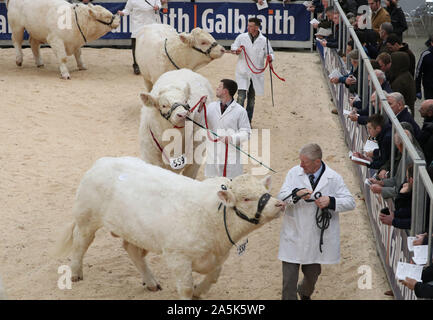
(314, 194)
(142, 12)
(257, 48)
(229, 121)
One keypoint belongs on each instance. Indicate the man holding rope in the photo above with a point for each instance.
(230, 121)
(253, 50)
(310, 234)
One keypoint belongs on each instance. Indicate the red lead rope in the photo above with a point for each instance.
(259, 70)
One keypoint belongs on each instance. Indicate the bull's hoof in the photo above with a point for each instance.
(153, 288)
(76, 278)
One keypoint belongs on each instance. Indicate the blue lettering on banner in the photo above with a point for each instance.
(222, 19)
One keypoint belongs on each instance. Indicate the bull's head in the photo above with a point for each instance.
(250, 197)
(203, 42)
(103, 16)
(171, 102)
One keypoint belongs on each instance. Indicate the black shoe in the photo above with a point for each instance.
(136, 69)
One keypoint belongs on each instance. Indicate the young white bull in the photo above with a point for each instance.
(65, 27)
(160, 49)
(168, 99)
(153, 209)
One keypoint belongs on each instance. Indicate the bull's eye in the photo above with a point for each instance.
(165, 107)
(203, 43)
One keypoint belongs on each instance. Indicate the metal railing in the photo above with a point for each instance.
(367, 83)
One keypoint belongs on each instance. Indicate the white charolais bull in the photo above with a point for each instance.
(165, 108)
(156, 210)
(160, 49)
(65, 27)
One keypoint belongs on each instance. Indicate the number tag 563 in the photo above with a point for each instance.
(178, 163)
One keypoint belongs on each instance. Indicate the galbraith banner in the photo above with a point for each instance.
(224, 20)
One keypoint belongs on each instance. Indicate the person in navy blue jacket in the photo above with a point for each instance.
(424, 72)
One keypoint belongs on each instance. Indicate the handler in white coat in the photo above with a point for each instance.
(300, 235)
(142, 12)
(257, 48)
(229, 121)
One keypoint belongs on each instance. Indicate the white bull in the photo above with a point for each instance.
(169, 97)
(160, 49)
(65, 27)
(156, 210)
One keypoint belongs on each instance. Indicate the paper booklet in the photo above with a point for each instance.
(353, 158)
(335, 74)
(314, 21)
(420, 254)
(370, 145)
(410, 243)
(262, 6)
(412, 271)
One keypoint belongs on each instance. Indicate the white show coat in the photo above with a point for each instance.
(300, 236)
(257, 51)
(141, 14)
(233, 122)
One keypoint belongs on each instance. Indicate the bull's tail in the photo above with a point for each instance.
(64, 244)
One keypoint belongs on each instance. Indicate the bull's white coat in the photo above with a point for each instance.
(156, 210)
(54, 22)
(153, 61)
(178, 86)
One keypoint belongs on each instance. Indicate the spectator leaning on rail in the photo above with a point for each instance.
(332, 40)
(384, 61)
(401, 79)
(379, 15)
(385, 30)
(394, 44)
(396, 102)
(311, 190)
(379, 128)
(426, 136)
(258, 48)
(424, 72)
(398, 19)
(350, 79)
(325, 21)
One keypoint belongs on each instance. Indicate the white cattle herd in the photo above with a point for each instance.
(190, 222)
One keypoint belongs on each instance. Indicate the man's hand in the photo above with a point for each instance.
(322, 202)
(409, 282)
(376, 188)
(237, 51)
(120, 13)
(311, 8)
(315, 25)
(156, 8)
(353, 116)
(387, 218)
(419, 239)
(269, 57)
(378, 182)
(324, 42)
(382, 174)
(334, 80)
(260, 2)
(405, 188)
(307, 194)
(350, 80)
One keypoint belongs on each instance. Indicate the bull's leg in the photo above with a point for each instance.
(182, 270)
(137, 256)
(59, 50)
(36, 52)
(204, 286)
(17, 40)
(79, 60)
(83, 237)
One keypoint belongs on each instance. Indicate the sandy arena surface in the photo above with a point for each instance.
(53, 130)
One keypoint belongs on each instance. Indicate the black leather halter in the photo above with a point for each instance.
(100, 21)
(173, 107)
(207, 52)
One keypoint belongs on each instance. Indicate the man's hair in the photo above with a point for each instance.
(230, 85)
(330, 8)
(376, 120)
(375, 64)
(387, 27)
(312, 151)
(393, 39)
(380, 75)
(385, 57)
(399, 141)
(256, 21)
(397, 96)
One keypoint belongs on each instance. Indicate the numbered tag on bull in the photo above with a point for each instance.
(178, 163)
(242, 248)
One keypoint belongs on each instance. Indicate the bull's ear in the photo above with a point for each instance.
(227, 197)
(186, 38)
(267, 182)
(149, 100)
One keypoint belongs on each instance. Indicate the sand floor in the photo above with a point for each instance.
(53, 130)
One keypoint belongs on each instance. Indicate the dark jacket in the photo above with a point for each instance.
(398, 20)
(405, 116)
(426, 140)
(403, 208)
(423, 289)
(401, 79)
(381, 155)
(349, 6)
(412, 59)
(424, 70)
